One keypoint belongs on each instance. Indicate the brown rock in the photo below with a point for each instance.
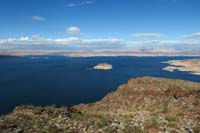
(153, 130)
(171, 129)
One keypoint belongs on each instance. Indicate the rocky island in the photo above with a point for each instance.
(143, 105)
(103, 66)
(191, 65)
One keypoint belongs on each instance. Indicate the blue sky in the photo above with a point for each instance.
(100, 22)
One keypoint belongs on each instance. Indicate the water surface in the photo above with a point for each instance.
(46, 80)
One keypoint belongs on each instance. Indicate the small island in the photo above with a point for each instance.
(190, 65)
(103, 66)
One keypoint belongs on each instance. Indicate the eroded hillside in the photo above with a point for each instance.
(142, 105)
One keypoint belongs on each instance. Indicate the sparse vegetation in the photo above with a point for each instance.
(103, 121)
(171, 118)
(132, 129)
(129, 109)
(166, 108)
(196, 130)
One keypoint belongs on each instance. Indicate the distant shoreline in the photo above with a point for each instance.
(191, 66)
(83, 56)
(11, 56)
(98, 53)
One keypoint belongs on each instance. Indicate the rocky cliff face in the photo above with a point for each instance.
(142, 105)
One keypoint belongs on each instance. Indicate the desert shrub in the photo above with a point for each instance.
(134, 129)
(171, 124)
(171, 118)
(166, 108)
(196, 130)
(110, 130)
(103, 121)
(154, 121)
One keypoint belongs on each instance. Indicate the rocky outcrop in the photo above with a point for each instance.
(142, 105)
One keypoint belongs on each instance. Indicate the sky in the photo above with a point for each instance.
(99, 24)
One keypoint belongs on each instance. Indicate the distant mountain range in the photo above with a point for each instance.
(79, 53)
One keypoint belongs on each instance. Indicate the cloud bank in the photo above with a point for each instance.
(70, 43)
(192, 36)
(146, 35)
(64, 41)
(96, 44)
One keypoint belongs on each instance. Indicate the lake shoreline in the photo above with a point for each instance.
(191, 66)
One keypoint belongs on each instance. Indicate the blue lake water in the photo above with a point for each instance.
(47, 80)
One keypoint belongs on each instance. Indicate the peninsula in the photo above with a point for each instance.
(190, 65)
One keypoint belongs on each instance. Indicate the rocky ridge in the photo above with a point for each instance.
(142, 105)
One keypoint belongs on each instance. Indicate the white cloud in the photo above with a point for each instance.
(87, 2)
(146, 35)
(71, 40)
(71, 5)
(192, 36)
(79, 4)
(73, 30)
(24, 39)
(38, 18)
